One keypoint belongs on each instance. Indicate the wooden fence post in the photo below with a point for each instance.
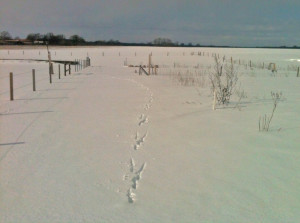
(69, 68)
(58, 71)
(52, 69)
(298, 72)
(149, 63)
(11, 86)
(33, 79)
(65, 69)
(50, 78)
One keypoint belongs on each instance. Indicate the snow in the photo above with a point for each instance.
(105, 144)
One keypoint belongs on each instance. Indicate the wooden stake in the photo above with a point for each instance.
(298, 72)
(149, 63)
(50, 78)
(58, 71)
(11, 86)
(33, 79)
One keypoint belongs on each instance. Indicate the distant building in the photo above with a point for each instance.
(37, 42)
(16, 42)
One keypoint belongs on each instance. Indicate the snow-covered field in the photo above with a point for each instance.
(105, 144)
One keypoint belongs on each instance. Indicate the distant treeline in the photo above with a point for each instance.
(76, 40)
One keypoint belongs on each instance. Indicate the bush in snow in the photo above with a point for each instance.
(223, 80)
(264, 121)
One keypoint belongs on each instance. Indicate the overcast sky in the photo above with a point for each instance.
(218, 22)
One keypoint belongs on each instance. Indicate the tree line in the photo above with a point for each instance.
(76, 40)
(60, 39)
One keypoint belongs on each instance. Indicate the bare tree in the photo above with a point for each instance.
(4, 35)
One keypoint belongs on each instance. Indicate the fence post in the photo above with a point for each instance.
(33, 79)
(69, 68)
(149, 64)
(65, 69)
(11, 86)
(298, 72)
(50, 78)
(52, 69)
(58, 71)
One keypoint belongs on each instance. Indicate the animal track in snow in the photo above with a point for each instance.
(135, 181)
(139, 141)
(147, 106)
(131, 196)
(143, 119)
(138, 176)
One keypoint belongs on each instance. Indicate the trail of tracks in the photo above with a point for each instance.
(134, 173)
